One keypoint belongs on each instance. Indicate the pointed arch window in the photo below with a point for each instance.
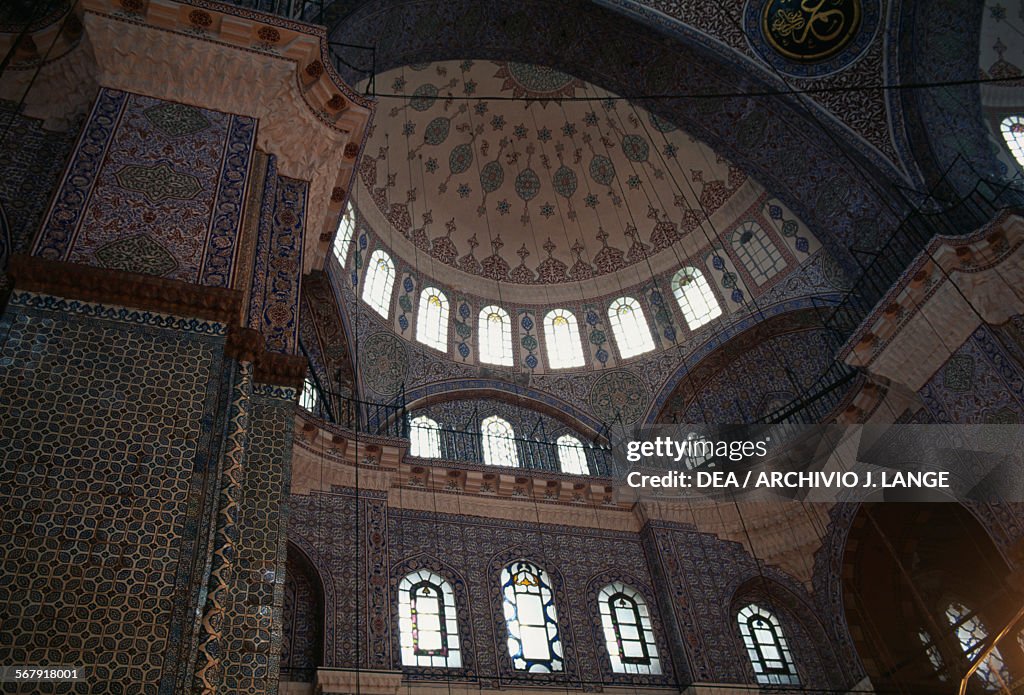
(562, 334)
(495, 336)
(766, 646)
(1013, 134)
(499, 442)
(309, 399)
(424, 438)
(343, 237)
(572, 457)
(432, 319)
(531, 618)
(627, 630)
(971, 633)
(695, 297)
(757, 252)
(632, 333)
(427, 622)
(380, 280)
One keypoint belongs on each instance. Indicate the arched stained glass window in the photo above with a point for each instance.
(971, 633)
(572, 457)
(499, 442)
(766, 646)
(432, 319)
(495, 336)
(426, 621)
(757, 252)
(309, 399)
(562, 335)
(529, 606)
(695, 297)
(380, 279)
(343, 237)
(1013, 134)
(933, 653)
(627, 630)
(424, 438)
(632, 334)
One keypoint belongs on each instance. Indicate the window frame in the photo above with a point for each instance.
(649, 662)
(640, 330)
(344, 235)
(564, 353)
(485, 330)
(764, 674)
(511, 590)
(377, 294)
(755, 263)
(431, 432)
(577, 450)
(498, 445)
(450, 651)
(1016, 147)
(702, 290)
(432, 330)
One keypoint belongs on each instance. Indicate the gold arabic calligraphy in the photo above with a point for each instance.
(814, 30)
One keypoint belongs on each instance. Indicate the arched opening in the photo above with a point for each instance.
(303, 635)
(918, 577)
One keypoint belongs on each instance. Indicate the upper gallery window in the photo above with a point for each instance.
(757, 252)
(1013, 134)
(424, 438)
(380, 279)
(632, 334)
(529, 606)
(495, 336)
(695, 297)
(309, 399)
(766, 646)
(562, 335)
(343, 237)
(627, 630)
(571, 456)
(932, 651)
(499, 442)
(426, 621)
(432, 320)
(972, 633)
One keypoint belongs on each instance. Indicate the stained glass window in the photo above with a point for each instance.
(971, 633)
(1013, 134)
(495, 336)
(424, 438)
(427, 622)
(766, 646)
(380, 279)
(627, 630)
(757, 252)
(499, 443)
(932, 651)
(432, 319)
(343, 237)
(572, 457)
(632, 334)
(529, 606)
(695, 297)
(562, 335)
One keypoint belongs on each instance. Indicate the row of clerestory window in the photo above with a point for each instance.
(429, 627)
(498, 440)
(564, 346)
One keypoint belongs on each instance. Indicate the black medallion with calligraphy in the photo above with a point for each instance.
(810, 31)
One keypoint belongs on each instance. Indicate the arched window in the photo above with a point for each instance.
(432, 320)
(529, 606)
(499, 442)
(632, 334)
(309, 399)
(343, 237)
(699, 449)
(495, 336)
(627, 630)
(563, 338)
(1013, 134)
(757, 252)
(766, 646)
(695, 297)
(380, 279)
(424, 438)
(571, 455)
(426, 621)
(971, 633)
